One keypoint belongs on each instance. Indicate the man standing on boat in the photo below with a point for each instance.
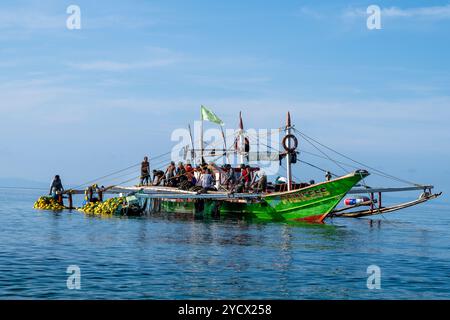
(56, 189)
(145, 172)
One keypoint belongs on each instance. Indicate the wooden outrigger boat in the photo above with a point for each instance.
(289, 202)
(312, 203)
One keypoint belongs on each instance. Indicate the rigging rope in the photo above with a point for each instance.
(116, 172)
(314, 166)
(360, 163)
(318, 149)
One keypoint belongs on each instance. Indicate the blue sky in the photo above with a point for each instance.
(86, 102)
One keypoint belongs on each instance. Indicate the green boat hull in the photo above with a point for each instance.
(312, 203)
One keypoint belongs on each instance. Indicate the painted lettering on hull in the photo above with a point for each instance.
(306, 195)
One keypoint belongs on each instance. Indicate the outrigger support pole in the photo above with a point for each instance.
(288, 158)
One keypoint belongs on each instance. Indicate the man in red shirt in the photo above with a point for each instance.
(245, 175)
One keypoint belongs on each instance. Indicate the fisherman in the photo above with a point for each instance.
(245, 175)
(189, 180)
(180, 173)
(56, 185)
(170, 173)
(230, 177)
(328, 176)
(56, 189)
(260, 181)
(95, 193)
(145, 172)
(91, 194)
(188, 167)
(281, 183)
(207, 181)
(158, 177)
(198, 173)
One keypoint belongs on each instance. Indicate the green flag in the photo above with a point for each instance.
(208, 115)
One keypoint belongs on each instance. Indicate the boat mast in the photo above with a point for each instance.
(241, 140)
(288, 157)
(194, 162)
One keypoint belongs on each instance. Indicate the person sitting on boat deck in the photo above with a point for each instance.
(145, 172)
(198, 172)
(188, 167)
(230, 177)
(180, 173)
(328, 176)
(158, 177)
(239, 186)
(56, 188)
(191, 177)
(92, 194)
(170, 173)
(280, 184)
(207, 181)
(260, 181)
(189, 180)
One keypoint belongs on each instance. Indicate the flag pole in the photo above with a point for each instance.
(201, 141)
(225, 154)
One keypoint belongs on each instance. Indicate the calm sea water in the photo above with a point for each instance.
(160, 258)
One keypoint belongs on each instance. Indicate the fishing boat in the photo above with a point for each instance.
(288, 201)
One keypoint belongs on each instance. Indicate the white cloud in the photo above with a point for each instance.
(25, 19)
(32, 18)
(154, 57)
(309, 12)
(433, 13)
(438, 12)
(112, 66)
